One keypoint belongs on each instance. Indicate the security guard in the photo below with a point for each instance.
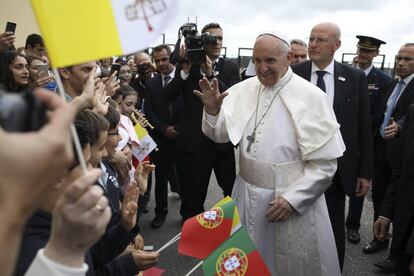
(367, 50)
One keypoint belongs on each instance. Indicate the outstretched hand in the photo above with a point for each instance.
(210, 95)
(142, 172)
(130, 206)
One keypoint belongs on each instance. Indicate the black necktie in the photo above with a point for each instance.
(320, 82)
(166, 80)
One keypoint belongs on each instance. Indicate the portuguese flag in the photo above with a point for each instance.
(237, 256)
(203, 233)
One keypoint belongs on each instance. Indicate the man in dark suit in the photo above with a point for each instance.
(164, 117)
(368, 49)
(198, 155)
(398, 205)
(347, 89)
(388, 120)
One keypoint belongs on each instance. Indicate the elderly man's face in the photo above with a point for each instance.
(300, 53)
(270, 59)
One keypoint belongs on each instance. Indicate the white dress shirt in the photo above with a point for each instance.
(328, 79)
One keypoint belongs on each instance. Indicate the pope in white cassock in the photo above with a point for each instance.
(289, 141)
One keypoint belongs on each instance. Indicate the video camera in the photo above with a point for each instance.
(21, 112)
(194, 44)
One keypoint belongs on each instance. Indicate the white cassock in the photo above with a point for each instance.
(293, 156)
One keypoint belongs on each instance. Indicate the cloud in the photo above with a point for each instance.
(243, 20)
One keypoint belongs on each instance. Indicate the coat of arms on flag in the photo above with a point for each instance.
(232, 261)
(211, 218)
(78, 31)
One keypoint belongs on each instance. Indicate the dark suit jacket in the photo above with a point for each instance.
(398, 204)
(157, 110)
(190, 136)
(400, 109)
(378, 83)
(351, 106)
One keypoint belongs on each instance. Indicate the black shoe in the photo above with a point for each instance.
(353, 236)
(157, 221)
(387, 265)
(375, 246)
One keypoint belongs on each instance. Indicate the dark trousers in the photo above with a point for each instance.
(335, 201)
(353, 220)
(382, 174)
(164, 171)
(403, 264)
(194, 169)
(147, 195)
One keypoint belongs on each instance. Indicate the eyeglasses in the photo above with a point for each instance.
(113, 133)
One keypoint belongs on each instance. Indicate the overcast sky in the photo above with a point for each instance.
(242, 20)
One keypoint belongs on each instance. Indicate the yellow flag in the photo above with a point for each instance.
(77, 31)
(236, 217)
(141, 132)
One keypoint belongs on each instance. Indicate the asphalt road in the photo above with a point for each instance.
(356, 263)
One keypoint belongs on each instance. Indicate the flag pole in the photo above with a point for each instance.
(73, 131)
(194, 268)
(170, 242)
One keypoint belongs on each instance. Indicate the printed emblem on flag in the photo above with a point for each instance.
(212, 218)
(232, 262)
(143, 9)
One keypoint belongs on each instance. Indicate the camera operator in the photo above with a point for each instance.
(145, 71)
(197, 155)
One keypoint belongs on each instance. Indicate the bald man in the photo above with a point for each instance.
(145, 72)
(346, 88)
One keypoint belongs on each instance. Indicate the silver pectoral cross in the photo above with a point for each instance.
(250, 138)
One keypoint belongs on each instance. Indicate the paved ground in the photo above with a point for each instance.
(356, 263)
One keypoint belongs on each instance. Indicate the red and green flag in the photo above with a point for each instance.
(203, 233)
(236, 256)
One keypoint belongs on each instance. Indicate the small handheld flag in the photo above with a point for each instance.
(214, 226)
(236, 256)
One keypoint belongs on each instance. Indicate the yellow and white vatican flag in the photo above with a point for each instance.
(77, 31)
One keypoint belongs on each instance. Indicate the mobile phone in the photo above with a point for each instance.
(11, 27)
(115, 67)
(43, 70)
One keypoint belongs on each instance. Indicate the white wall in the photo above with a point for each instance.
(20, 12)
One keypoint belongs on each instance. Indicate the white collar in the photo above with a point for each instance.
(368, 70)
(408, 79)
(171, 74)
(329, 69)
(286, 77)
